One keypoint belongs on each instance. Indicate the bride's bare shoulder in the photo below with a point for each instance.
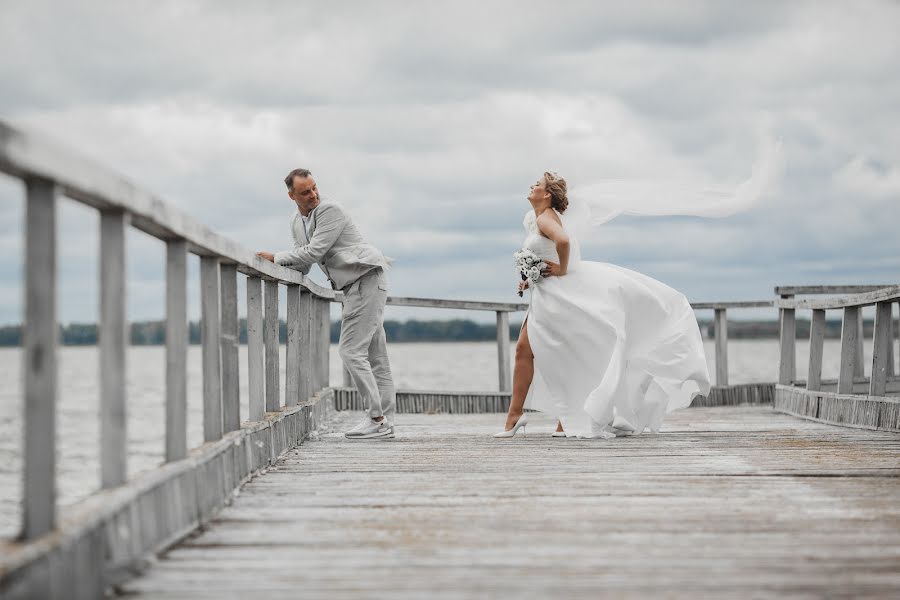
(547, 218)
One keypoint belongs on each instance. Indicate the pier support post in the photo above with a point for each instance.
(306, 347)
(721, 333)
(816, 347)
(858, 369)
(113, 342)
(273, 393)
(787, 372)
(881, 345)
(849, 338)
(890, 360)
(210, 330)
(292, 350)
(176, 350)
(325, 343)
(503, 351)
(255, 349)
(39, 340)
(230, 341)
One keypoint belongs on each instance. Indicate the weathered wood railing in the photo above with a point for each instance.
(856, 400)
(486, 401)
(62, 565)
(720, 330)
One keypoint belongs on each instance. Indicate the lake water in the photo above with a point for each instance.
(439, 366)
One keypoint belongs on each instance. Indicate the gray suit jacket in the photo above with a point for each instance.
(334, 243)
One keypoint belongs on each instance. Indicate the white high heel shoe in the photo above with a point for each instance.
(522, 422)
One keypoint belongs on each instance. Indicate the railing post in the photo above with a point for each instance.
(176, 350)
(273, 395)
(39, 337)
(858, 369)
(890, 360)
(816, 346)
(787, 372)
(315, 332)
(849, 333)
(881, 345)
(721, 333)
(325, 341)
(306, 347)
(230, 342)
(210, 331)
(503, 351)
(292, 354)
(255, 349)
(113, 341)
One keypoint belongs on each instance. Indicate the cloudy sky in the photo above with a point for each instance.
(429, 120)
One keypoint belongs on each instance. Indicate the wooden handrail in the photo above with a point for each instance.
(727, 305)
(810, 290)
(885, 294)
(456, 304)
(518, 307)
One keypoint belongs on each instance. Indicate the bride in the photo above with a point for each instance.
(606, 350)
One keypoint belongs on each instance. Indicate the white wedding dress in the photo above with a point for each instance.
(609, 341)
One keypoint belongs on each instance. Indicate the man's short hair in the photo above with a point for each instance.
(289, 180)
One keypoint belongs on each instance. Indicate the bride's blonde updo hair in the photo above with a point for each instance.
(556, 187)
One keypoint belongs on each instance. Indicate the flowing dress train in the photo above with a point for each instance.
(607, 340)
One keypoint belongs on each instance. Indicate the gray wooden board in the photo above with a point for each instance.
(787, 367)
(39, 342)
(176, 350)
(726, 502)
(255, 349)
(887, 294)
(798, 290)
(111, 344)
(230, 340)
(721, 330)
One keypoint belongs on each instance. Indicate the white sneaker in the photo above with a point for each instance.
(369, 429)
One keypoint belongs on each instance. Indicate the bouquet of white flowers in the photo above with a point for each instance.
(529, 265)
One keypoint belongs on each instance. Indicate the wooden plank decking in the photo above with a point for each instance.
(726, 502)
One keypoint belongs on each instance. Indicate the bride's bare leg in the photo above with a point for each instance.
(523, 373)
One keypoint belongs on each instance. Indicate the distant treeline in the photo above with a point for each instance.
(149, 333)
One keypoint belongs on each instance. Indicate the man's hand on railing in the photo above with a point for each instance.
(266, 256)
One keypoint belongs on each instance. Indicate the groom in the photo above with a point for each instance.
(324, 233)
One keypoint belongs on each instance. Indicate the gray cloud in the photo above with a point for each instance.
(429, 121)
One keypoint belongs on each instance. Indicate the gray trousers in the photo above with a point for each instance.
(363, 346)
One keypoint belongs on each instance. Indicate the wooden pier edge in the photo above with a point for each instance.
(847, 410)
(465, 402)
(109, 537)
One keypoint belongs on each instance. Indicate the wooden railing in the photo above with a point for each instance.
(720, 330)
(49, 172)
(502, 310)
(856, 401)
(851, 366)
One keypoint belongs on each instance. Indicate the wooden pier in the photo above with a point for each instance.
(724, 503)
(732, 499)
